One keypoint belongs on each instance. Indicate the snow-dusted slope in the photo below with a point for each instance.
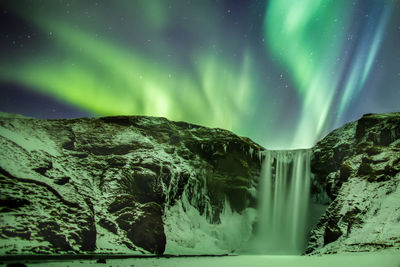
(122, 185)
(359, 166)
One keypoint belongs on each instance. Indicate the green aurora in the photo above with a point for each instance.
(309, 49)
(280, 83)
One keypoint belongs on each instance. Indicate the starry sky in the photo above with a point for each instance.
(282, 72)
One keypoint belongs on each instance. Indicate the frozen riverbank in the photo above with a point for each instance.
(386, 259)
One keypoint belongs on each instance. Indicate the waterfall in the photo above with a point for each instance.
(283, 203)
(278, 225)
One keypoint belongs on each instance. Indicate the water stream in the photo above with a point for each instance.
(278, 225)
(284, 196)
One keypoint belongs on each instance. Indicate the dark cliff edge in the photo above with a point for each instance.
(358, 167)
(102, 185)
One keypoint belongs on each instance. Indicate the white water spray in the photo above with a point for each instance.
(284, 194)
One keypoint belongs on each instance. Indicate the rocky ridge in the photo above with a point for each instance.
(104, 185)
(358, 165)
(132, 184)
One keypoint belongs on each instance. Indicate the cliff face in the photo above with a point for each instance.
(358, 166)
(145, 185)
(105, 185)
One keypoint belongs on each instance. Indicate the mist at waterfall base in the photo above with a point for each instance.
(283, 73)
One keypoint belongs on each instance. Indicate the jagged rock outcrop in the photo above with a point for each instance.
(358, 165)
(102, 185)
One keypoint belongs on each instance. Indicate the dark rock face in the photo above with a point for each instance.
(103, 185)
(358, 165)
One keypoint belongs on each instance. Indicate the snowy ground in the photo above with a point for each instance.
(383, 259)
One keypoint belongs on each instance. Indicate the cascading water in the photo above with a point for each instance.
(281, 217)
(284, 195)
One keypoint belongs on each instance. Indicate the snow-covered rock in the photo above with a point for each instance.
(106, 185)
(358, 165)
(136, 184)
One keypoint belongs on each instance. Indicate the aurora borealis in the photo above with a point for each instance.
(283, 72)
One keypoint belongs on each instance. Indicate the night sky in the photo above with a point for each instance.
(282, 72)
